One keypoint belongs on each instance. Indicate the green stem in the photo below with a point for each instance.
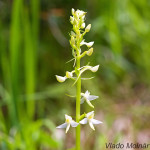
(78, 91)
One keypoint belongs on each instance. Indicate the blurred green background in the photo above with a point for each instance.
(34, 47)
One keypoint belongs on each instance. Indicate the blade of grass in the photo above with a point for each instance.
(15, 43)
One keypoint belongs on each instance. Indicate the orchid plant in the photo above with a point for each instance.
(77, 41)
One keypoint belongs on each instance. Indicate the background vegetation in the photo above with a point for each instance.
(34, 47)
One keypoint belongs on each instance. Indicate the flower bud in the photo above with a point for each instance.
(89, 52)
(83, 25)
(60, 78)
(72, 10)
(68, 74)
(75, 22)
(87, 29)
(95, 68)
(71, 19)
(73, 34)
(72, 40)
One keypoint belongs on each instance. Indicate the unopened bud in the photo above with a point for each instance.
(72, 40)
(71, 19)
(73, 34)
(72, 11)
(87, 29)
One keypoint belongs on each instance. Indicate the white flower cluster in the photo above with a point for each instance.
(79, 30)
(88, 119)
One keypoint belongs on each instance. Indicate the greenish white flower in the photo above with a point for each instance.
(69, 122)
(89, 52)
(69, 74)
(88, 44)
(95, 68)
(60, 78)
(87, 29)
(89, 119)
(80, 13)
(87, 97)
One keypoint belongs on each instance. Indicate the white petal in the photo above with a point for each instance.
(83, 25)
(83, 121)
(68, 117)
(82, 100)
(74, 124)
(90, 113)
(94, 121)
(91, 125)
(68, 126)
(82, 43)
(89, 44)
(92, 97)
(89, 103)
(87, 93)
(64, 125)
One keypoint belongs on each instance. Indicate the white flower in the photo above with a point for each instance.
(82, 43)
(87, 29)
(95, 68)
(89, 119)
(87, 97)
(60, 78)
(87, 44)
(69, 74)
(89, 52)
(80, 13)
(67, 123)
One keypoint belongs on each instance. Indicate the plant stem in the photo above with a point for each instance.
(78, 91)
